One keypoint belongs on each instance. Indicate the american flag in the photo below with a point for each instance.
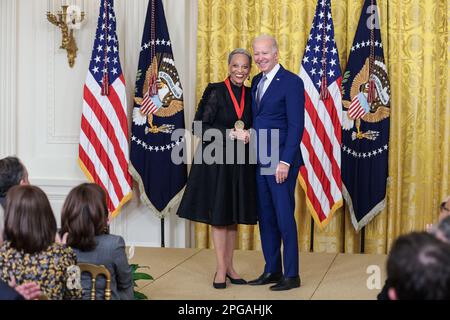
(103, 149)
(320, 176)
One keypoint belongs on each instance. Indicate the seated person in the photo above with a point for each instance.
(85, 218)
(444, 211)
(418, 268)
(29, 252)
(442, 231)
(12, 173)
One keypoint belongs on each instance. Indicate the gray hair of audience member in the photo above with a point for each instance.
(240, 51)
(442, 231)
(12, 171)
(267, 37)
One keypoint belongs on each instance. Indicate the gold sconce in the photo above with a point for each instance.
(67, 19)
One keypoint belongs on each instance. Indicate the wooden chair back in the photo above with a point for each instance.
(96, 270)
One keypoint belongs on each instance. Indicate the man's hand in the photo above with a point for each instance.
(281, 173)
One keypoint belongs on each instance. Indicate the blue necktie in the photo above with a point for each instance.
(259, 91)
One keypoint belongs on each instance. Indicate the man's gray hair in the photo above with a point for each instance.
(240, 51)
(267, 37)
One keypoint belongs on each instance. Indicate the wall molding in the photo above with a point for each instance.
(8, 53)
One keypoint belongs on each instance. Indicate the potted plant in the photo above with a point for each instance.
(139, 276)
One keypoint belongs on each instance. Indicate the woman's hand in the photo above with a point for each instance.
(240, 134)
(29, 290)
(62, 240)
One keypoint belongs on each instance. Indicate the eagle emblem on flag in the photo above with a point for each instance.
(359, 107)
(161, 95)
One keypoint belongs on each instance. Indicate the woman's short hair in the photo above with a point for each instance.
(11, 172)
(84, 215)
(240, 51)
(29, 221)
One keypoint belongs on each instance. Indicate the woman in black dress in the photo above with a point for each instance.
(221, 187)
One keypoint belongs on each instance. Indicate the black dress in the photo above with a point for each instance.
(221, 194)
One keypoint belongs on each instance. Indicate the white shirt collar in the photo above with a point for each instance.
(271, 74)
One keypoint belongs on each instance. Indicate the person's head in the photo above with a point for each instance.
(444, 209)
(29, 221)
(239, 64)
(84, 215)
(442, 231)
(12, 173)
(265, 52)
(418, 268)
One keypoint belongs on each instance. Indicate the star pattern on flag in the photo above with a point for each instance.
(109, 62)
(321, 39)
(364, 155)
(364, 44)
(158, 42)
(145, 146)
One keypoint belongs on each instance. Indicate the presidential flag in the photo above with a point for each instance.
(320, 71)
(103, 149)
(158, 111)
(366, 110)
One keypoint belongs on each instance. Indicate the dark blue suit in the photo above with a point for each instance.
(281, 108)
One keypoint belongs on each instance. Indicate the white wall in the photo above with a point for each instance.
(41, 97)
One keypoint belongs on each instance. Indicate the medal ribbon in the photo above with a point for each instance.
(238, 108)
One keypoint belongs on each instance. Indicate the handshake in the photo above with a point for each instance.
(240, 134)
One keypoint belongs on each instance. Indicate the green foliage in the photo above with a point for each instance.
(138, 77)
(344, 80)
(139, 276)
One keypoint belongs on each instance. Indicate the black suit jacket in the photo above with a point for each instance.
(8, 293)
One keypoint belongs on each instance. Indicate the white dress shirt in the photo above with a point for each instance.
(270, 75)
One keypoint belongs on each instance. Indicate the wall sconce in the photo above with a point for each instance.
(67, 19)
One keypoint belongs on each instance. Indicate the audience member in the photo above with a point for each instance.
(85, 218)
(444, 211)
(12, 173)
(29, 252)
(419, 268)
(442, 231)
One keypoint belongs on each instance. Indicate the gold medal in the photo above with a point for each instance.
(239, 125)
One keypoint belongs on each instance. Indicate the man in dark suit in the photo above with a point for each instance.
(278, 108)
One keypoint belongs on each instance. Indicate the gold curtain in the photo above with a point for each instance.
(416, 47)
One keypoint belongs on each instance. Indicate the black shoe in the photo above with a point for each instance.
(267, 278)
(236, 281)
(219, 285)
(286, 284)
